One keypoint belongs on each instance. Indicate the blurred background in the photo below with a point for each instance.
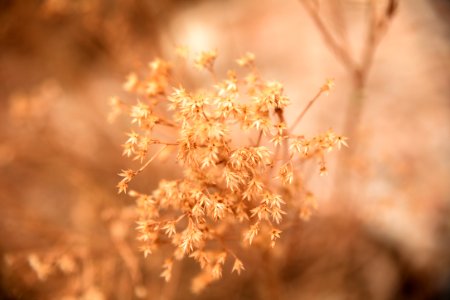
(382, 230)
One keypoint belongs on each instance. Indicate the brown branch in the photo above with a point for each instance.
(340, 51)
(377, 28)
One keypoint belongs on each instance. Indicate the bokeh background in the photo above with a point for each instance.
(382, 230)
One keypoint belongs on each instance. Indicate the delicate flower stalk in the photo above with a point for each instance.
(227, 191)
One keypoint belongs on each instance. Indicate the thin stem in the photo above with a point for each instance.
(258, 142)
(204, 115)
(280, 114)
(165, 122)
(310, 103)
(164, 143)
(151, 159)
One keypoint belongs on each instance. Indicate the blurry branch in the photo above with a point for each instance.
(358, 69)
(341, 53)
(118, 235)
(378, 25)
(377, 29)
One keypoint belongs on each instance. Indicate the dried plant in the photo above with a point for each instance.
(236, 190)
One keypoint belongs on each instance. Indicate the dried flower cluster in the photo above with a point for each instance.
(234, 187)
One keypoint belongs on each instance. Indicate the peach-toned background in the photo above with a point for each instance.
(60, 61)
